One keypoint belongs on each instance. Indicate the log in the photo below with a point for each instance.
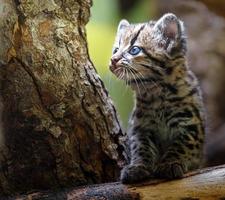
(203, 184)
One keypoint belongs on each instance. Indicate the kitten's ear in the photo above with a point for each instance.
(123, 24)
(169, 25)
(171, 29)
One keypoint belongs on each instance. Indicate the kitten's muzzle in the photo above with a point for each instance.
(114, 63)
(114, 60)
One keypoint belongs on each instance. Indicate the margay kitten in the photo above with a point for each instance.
(166, 130)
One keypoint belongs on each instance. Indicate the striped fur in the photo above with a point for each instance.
(166, 130)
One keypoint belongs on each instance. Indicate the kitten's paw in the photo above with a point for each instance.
(134, 173)
(173, 170)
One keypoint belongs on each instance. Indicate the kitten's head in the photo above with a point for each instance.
(143, 50)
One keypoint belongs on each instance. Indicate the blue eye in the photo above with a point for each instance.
(135, 50)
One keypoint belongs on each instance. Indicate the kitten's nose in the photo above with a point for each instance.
(114, 60)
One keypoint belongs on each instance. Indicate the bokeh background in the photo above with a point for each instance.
(205, 24)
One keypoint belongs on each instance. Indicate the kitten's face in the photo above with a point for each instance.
(141, 51)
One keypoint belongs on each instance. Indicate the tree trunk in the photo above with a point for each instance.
(59, 125)
(205, 184)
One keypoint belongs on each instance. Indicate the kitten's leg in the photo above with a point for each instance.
(143, 157)
(184, 154)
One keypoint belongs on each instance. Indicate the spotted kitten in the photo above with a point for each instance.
(166, 129)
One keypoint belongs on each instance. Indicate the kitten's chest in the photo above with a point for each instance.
(154, 120)
(147, 118)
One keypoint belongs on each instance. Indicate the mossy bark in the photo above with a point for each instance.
(60, 127)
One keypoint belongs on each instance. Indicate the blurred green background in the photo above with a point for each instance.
(101, 31)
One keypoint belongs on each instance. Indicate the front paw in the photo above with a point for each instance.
(171, 170)
(134, 173)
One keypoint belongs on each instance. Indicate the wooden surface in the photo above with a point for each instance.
(205, 184)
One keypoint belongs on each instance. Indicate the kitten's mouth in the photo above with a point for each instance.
(117, 70)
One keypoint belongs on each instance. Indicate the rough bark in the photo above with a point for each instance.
(59, 125)
(205, 184)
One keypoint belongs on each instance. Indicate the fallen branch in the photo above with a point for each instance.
(208, 183)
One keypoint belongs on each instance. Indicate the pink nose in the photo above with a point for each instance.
(114, 60)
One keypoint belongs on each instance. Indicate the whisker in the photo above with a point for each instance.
(123, 73)
(117, 69)
(110, 81)
(119, 75)
(138, 77)
(137, 73)
(141, 81)
(126, 79)
(139, 91)
(155, 84)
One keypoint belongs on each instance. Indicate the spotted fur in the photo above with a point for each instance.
(166, 130)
